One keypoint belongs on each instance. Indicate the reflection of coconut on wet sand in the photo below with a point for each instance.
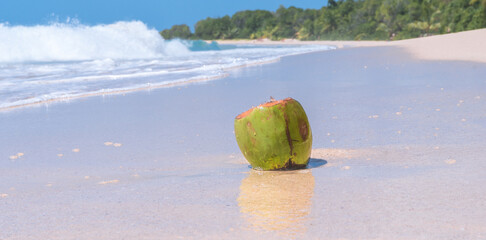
(277, 201)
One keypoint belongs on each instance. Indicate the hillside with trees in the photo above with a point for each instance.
(343, 20)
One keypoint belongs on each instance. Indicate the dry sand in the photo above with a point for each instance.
(463, 46)
(386, 164)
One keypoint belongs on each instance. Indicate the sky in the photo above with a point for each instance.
(156, 14)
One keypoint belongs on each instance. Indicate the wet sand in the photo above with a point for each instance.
(398, 154)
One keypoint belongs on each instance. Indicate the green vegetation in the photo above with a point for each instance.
(177, 31)
(343, 20)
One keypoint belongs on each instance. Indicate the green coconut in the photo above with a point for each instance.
(275, 135)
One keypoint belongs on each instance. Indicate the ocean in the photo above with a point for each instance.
(62, 61)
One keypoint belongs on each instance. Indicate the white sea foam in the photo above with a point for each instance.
(72, 42)
(59, 61)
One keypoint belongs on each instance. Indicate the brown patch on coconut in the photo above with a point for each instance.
(303, 129)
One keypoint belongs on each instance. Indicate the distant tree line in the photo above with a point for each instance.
(343, 20)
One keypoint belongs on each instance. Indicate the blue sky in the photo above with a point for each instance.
(156, 14)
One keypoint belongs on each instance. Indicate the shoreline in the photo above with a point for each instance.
(137, 89)
(462, 46)
(115, 92)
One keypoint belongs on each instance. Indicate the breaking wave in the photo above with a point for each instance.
(75, 42)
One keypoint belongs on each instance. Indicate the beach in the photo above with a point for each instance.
(462, 46)
(398, 153)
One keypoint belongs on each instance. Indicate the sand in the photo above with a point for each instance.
(463, 46)
(385, 163)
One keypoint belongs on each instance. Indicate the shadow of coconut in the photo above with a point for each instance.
(277, 200)
(313, 163)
